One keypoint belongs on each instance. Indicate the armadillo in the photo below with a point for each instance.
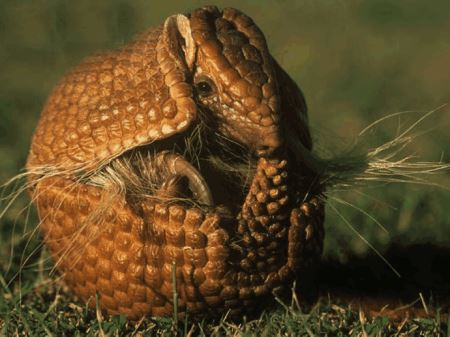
(164, 168)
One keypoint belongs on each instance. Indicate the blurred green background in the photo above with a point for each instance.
(356, 61)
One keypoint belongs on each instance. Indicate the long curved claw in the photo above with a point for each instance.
(178, 166)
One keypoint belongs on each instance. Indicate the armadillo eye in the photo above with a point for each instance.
(204, 88)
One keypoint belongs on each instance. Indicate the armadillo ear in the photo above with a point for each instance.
(178, 39)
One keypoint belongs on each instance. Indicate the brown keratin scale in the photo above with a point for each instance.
(170, 153)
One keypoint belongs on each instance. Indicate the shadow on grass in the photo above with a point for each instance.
(424, 270)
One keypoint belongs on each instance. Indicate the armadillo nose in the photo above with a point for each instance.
(268, 144)
(265, 151)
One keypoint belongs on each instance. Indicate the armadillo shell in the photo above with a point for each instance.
(128, 255)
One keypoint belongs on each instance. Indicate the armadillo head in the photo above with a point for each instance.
(236, 84)
(234, 78)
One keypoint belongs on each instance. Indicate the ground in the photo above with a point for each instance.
(356, 62)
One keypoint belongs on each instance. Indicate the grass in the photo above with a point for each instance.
(356, 63)
(47, 309)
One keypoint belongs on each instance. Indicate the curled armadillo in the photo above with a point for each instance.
(164, 167)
